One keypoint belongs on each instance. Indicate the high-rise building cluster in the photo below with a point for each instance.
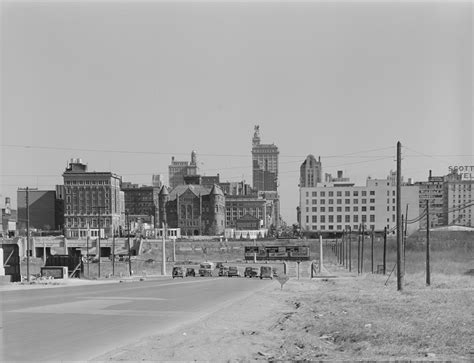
(91, 203)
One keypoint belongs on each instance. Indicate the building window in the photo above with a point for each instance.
(356, 209)
(322, 194)
(347, 193)
(364, 201)
(347, 209)
(339, 194)
(364, 209)
(330, 209)
(331, 194)
(339, 219)
(331, 219)
(315, 209)
(322, 201)
(356, 201)
(356, 219)
(372, 207)
(348, 201)
(315, 194)
(372, 218)
(364, 193)
(372, 192)
(322, 219)
(314, 219)
(347, 218)
(322, 209)
(315, 201)
(331, 227)
(355, 193)
(372, 200)
(339, 209)
(339, 201)
(364, 218)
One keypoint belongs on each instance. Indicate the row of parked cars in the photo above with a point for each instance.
(207, 268)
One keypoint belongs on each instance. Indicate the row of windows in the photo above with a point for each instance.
(339, 227)
(87, 182)
(346, 201)
(347, 193)
(82, 222)
(339, 209)
(338, 219)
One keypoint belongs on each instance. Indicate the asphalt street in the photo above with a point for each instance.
(82, 322)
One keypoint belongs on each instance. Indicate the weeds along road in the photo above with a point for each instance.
(81, 322)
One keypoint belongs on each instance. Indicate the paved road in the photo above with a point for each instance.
(82, 322)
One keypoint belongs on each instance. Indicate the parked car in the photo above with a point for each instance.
(178, 271)
(206, 268)
(266, 272)
(190, 272)
(251, 272)
(233, 271)
(224, 271)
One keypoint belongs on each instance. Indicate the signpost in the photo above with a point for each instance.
(282, 280)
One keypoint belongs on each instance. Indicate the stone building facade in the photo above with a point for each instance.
(195, 209)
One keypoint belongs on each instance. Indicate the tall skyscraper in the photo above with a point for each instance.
(310, 172)
(264, 164)
(179, 169)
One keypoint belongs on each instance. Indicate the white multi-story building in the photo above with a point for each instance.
(459, 202)
(338, 206)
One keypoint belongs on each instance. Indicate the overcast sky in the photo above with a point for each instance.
(126, 85)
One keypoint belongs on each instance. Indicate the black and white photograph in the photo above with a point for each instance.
(234, 181)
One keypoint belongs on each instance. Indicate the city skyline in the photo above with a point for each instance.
(156, 80)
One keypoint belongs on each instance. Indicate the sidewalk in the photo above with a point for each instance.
(38, 283)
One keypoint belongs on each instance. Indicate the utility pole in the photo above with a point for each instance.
(405, 234)
(384, 249)
(350, 250)
(428, 272)
(362, 250)
(87, 248)
(128, 242)
(399, 224)
(27, 196)
(98, 240)
(27, 236)
(113, 251)
(163, 252)
(372, 251)
(358, 252)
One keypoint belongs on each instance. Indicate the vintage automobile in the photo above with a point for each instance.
(233, 272)
(190, 272)
(266, 272)
(251, 272)
(178, 271)
(224, 271)
(206, 268)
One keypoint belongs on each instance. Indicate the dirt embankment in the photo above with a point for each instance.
(329, 319)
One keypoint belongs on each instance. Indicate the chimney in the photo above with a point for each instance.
(430, 175)
(339, 174)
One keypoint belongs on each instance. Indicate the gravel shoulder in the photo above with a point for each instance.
(343, 318)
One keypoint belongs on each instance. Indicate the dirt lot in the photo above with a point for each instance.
(347, 317)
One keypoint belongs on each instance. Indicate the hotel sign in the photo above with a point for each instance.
(465, 171)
